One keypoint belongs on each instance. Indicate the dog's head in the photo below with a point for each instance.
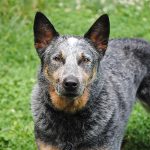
(69, 62)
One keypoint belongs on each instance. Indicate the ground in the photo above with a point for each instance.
(19, 61)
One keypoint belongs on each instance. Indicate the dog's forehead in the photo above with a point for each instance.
(75, 42)
(73, 45)
(72, 41)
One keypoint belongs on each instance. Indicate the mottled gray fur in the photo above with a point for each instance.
(122, 72)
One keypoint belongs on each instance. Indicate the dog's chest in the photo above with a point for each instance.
(69, 132)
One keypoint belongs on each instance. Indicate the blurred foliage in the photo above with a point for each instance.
(19, 61)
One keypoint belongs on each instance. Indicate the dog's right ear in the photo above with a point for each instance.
(44, 32)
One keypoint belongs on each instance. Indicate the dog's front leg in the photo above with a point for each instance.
(43, 146)
(100, 148)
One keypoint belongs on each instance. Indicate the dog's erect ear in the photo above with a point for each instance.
(44, 32)
(99, 33)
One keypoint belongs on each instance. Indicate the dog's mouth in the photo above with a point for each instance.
(69, 101)
(70, 95)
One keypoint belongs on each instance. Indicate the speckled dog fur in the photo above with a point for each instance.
(97, 118)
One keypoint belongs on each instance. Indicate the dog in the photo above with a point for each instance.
(86, 86)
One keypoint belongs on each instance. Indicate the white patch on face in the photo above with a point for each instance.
(72, 41)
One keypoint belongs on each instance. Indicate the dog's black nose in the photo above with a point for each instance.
(71, 83)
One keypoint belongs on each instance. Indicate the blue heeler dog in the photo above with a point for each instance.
(82, 100)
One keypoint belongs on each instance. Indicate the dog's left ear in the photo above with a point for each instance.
(99, 33)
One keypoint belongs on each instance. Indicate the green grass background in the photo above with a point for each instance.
(19, 61)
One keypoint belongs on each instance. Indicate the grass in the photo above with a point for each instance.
(19, 61)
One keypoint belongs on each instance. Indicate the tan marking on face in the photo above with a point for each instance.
(93, 75)
(85, 78)
(46, 73)
(52, 78)
(89, 78)
(42, 146)
(63, 103)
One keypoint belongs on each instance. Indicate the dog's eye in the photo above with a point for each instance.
(58, 58)
(86, 60)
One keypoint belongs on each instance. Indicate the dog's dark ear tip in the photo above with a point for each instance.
(39, 14)
(105, 18)
(105, 15)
